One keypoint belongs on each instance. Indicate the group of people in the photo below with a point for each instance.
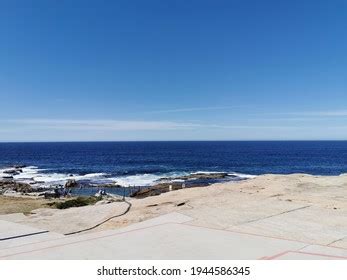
(62, 192)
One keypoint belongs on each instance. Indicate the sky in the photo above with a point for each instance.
(173, 70)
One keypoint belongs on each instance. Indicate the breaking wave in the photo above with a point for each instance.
(35, 175)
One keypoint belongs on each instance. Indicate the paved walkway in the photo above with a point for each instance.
(170, 236)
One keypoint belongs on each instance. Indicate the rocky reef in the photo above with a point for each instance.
(193, 180)
(201, 176)
(29, 184)
(11, 185)
(162, 188)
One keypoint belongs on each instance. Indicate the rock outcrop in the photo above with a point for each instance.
(108, 185)
(71, 183)
(13, 170)
(201, 176)
(15, 186)
(159, 189)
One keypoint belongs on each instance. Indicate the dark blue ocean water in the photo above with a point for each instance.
(132, 158)
(140, 164)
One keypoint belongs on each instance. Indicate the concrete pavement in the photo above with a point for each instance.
(170, 236)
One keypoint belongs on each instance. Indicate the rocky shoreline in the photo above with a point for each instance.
(11, 186)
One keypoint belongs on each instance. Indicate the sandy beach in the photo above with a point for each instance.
(298, 207)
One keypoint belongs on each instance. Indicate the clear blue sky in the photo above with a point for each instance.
(173, 70)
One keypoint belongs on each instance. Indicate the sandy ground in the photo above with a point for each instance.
(299, 207)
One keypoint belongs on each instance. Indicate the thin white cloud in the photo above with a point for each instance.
(112, 130)
(105, 125)
(333, 113)
(193, 109)
(303, 116)
(296, 119)
(122, 125)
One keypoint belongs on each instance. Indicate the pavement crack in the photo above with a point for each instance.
(275, 215)
(337, 240)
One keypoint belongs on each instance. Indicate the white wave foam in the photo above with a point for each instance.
(33, 174)
(62, 178)
(242, 176)
(145, 179)
(137, 180)
(207, 172)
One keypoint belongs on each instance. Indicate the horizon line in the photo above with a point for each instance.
(122, 141)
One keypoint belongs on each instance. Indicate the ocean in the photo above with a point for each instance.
(132, 164)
